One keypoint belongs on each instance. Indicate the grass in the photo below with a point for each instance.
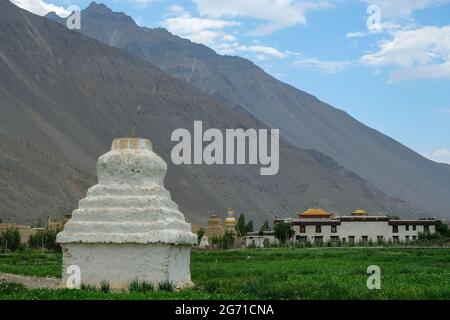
(141, 286)
(282, 273)
(31, 264)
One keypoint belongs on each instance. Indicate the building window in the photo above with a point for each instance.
(302, 229)
(407, 238)
(318, 229)
(395, 239)
(351, 239)
(333, 229)
(318, 239)
(394, 229)
(380, 239)
(302, 239)
(344, 240)
(365, 238)
(334, 238)
(407, 228)
(414, 227)
(414, 237)
(426, 228)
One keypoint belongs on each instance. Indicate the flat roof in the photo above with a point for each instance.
(412, 222)
(316, 222)
(364, 218)
(338, 220)
(257, 233)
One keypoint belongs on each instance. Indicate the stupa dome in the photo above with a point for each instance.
(230, 219)
(359, 212)
(215, 228)
(129, 204)
(315, 213)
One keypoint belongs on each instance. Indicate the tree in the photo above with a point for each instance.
(10, 239)
(45, 239)
(241, 225)
(227, 240)
(265, 226)
(200, 234)
(224, 242)
(442, 229)
(249, 227)
(283, 231)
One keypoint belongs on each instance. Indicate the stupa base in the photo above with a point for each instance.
(120, 264)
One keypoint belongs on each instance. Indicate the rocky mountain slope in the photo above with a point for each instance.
(71, 95)
(303, 119)
(35, 183)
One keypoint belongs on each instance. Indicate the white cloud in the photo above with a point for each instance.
(205, 31)
(229, 37)
(441, 155)
(175, 8)
(259, 52)
(437, 71)
(264, 50)
(41, 7)
(276, 14)
(211, 32)
(357, 34)
(420, 53)
(327, 66)
(142, 3)
(445, 111)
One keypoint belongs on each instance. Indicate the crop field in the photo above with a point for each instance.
(279, 273)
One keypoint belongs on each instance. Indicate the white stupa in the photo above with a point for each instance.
(204, 243)
(128, 227)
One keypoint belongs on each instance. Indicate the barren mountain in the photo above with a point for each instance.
(35, 183)
(302, 119)
(70, 95)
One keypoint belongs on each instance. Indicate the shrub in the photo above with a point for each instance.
(166, 285)
(265, 226)
(8, 288)
(10, 239)
(88, 287)
(283, 231)
(105, 286)
(45, 239)
(443, 229)
(134, 286)
(142, 287)
(427, 238)
(147, 287)
(200, 234)
(225, 242)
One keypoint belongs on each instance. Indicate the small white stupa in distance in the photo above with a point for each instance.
(204, 242)
(128, 228)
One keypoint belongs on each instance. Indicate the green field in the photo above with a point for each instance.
(317, 273)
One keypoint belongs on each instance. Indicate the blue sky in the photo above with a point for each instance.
(393, 75)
